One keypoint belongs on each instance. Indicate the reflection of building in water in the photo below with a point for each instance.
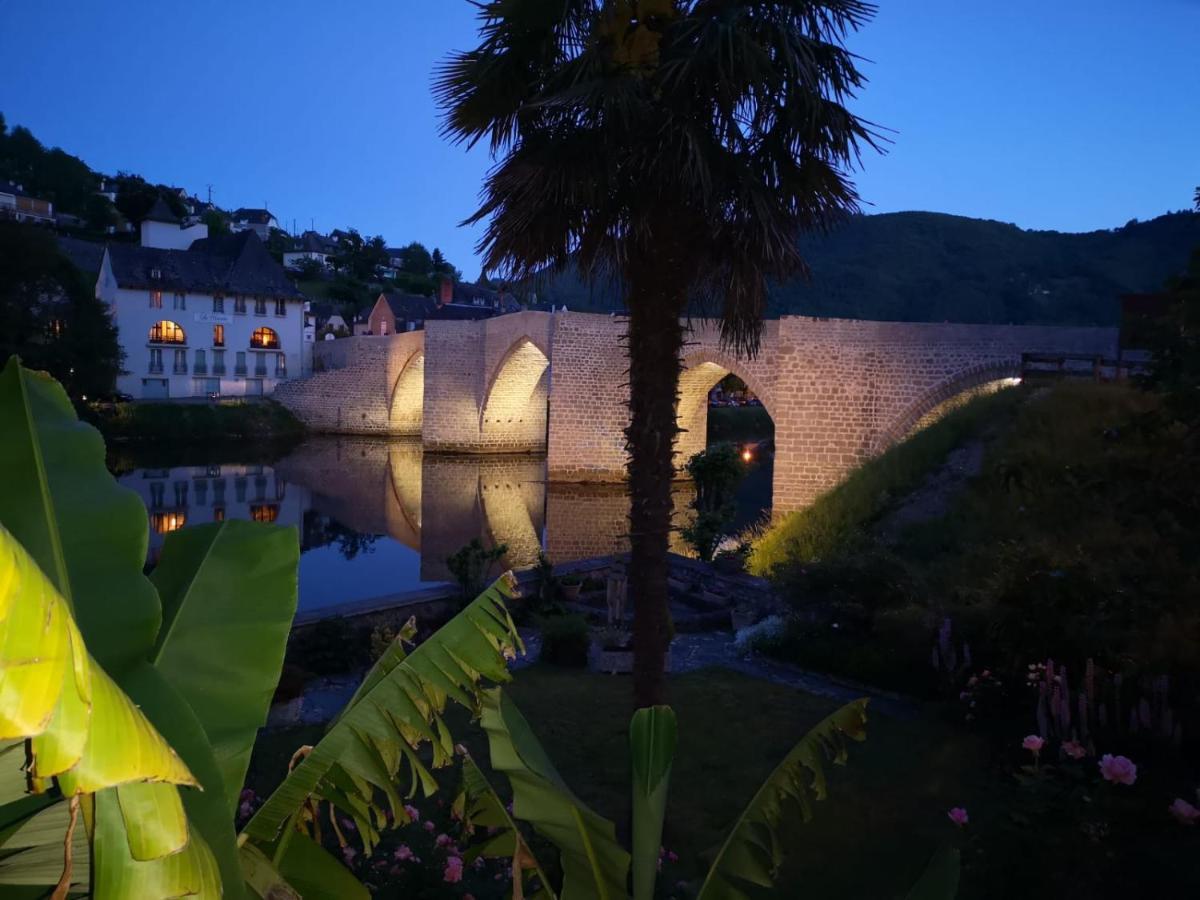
(197, 495)
(586, 520)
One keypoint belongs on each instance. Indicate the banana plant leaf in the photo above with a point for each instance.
(90, 537)
(748, 862)
(33, 847)
(594, 864)
(88, 534)
(229, 595)
(939, 881)
(315, 874)
(483, 808)
(372, 746)
(652, 736)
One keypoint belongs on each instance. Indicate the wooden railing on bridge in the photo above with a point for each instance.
(1067, 365)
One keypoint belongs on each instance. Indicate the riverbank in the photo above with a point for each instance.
(175, 431)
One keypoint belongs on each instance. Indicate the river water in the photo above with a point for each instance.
(381, 517)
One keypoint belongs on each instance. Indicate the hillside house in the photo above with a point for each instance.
(260, 221)
(15, 203)
(395, 313)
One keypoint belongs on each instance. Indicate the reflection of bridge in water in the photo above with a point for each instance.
(437, 503)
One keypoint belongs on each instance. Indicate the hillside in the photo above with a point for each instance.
(922, 266)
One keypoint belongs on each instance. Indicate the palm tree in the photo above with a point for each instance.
(680, 145)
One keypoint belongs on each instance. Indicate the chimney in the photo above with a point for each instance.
(446, 294)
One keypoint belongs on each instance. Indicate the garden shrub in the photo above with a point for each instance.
(565, 640)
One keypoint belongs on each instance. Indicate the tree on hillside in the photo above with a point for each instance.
(417, 260)
(217, 222)
(681, 145)
(50, 316)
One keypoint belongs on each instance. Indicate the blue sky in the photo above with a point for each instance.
(1065, 114)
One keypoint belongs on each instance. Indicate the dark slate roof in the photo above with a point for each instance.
(461, 311)
(469, 293)
(253, 216)
(409, 307)
(311, 242)
(85, 255)
(160, 212)
(229, 264)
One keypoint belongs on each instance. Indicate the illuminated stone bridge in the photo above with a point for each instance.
(838, 391)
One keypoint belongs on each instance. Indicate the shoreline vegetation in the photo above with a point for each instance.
(194, 433)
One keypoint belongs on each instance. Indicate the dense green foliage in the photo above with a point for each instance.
(191, 423)
(932, 267)
(49, 174)
(50, 316)
(716, 472)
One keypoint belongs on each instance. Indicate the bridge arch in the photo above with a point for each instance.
(514, 412)
(945, 396)
(701, 372)
(406, 405)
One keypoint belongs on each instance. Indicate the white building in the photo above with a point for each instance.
(218, 319)
(162, 228)
(311, 246)
(260, 221)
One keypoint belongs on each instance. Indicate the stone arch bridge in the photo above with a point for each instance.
(839, 391)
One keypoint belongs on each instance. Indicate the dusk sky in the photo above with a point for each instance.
(1063, 114)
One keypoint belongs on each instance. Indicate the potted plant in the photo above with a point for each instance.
(570, 585)
(612, 650)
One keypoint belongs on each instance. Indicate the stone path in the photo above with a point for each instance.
(690, 652)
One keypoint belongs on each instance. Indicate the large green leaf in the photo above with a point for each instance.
(311, 871)
(229, 595)
(652, 737)
(594, 864)
(88, 534)
(749, 860)
(376, 738)
(939, 881)
(32, 851)
(483, 808)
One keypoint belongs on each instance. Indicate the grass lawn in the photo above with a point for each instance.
(884, 817)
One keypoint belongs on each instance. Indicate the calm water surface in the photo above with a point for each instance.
(381, 517)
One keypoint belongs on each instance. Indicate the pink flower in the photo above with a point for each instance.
(1118, 769)
(1184, 812)
(348, 854)
(413, 813)
(1034, 743)
(1074, 749)
(403, 852)
(454, 870)
(429, 826)
(959, 816)
(672, 856)
(443, 840)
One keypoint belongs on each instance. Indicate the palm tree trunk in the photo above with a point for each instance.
(655, 340)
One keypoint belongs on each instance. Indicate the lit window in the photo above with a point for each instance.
(218, 514)
(156, 299)
(167, 332)
(166, 522)
(265, 339)
(218, 335)
(264, 512)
